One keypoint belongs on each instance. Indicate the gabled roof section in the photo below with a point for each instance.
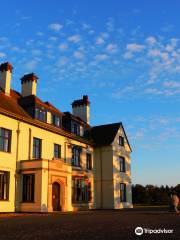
(104, 135)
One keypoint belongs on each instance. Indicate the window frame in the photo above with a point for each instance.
(35, 148)
(28, 191)
(75, 128)
(4, 138)
(121, 141)
(59, 151)
(123, 197)
(41, 114)
(76, 156)
(122, 164)
(88, 161)
(83, 193)
(54, 118)
(4, 185)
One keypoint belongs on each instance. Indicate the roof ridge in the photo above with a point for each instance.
(108, 124)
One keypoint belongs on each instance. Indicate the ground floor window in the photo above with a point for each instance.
(4, 185)
(28, 187)
(81, 190)
(122, 192)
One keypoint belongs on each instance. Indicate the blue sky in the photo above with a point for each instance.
(124, 54)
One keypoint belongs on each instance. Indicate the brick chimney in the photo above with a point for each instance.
(5, 77)
(28, 83)
(81, 108)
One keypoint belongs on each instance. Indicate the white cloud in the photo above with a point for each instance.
(53, 38)
(101, 57)
(15, 49)
(112, 48)
(110, 25)
(171, 46)
(172, 84)
(63, 46)
(153, 91)
(78, 55)
(134, 47)
(167, 28)
(2, 54)
(165, 56)
(40, 34)
(120, 92)
(86, 26)
(104, 35)
(128, 55)
(91, 32)
(151, 40)
(55, 27)
(154, 53)
(74, 38)
(99, 40)
(36, 52)
(31, 65)
(62, 61)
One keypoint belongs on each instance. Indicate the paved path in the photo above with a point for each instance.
(105, 225)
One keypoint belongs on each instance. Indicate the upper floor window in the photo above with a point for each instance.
(37, 147)
(88, 161)
(75, 128)
(41, 114)
(122, 192)
(4, 185)
(57, 151)
(5, 140)
(28, 187)
(121, 141)
(56, 120)
(122, 164)
(76, 153)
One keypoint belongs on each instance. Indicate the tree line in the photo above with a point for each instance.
(153, 195)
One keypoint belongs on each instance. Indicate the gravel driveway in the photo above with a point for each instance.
(105, 225)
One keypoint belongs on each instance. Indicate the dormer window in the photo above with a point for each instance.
(75, 128)
(56, 120)
(121, 141)
(41, 114)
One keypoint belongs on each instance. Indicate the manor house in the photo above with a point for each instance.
(56, 161)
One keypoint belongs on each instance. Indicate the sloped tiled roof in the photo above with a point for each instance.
(104, 135)
(10, 103)
(9, 106)
(53, 108)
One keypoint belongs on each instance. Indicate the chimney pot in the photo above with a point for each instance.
(81, 108)
(29, 83)
(5, 77)
(29, 77)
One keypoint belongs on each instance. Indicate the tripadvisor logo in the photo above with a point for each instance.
(139, 231)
